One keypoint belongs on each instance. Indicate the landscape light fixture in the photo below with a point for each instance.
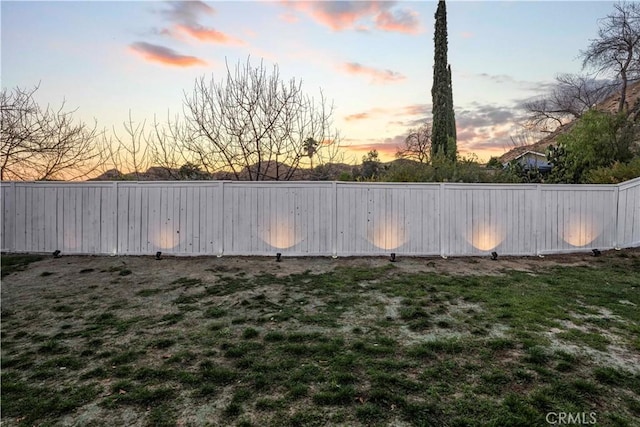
(278, 257)
(158, 255)
(494, 255)
(56, 253)
(596, 252)
(393, 257)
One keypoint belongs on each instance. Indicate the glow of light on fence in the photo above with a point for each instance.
(71, 243)
(581, 232)
(388, 236)
(280, 235)
(165, 239)
(485, 236)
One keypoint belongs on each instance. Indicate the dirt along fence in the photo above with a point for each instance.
(219, 218)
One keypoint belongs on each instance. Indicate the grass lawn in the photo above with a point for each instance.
(103, 341)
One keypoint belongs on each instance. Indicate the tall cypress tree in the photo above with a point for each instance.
(443, 133)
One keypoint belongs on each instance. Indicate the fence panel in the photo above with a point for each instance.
(497, 218)
(43, 217)
(291, 218)
(377, 219)
(175, 218)
(628, 233)
(577, 217)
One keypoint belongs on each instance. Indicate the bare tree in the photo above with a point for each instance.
(251, 124)
(523, 134)
(417, 145)
(131, 154)
(570, 98)
(617, 48)
(43, 143)
(165, 146)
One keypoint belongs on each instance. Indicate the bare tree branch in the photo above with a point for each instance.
(44, 144)
(130, 155)
(571, 97)
(165, 146)
(523, 134)
(617, 48)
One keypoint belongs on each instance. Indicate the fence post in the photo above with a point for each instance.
(616, 233)
(13, 200)
(221, 219)
(114, 218)
(334, 220)
(443, 216)
(12, 217)
(538, 222)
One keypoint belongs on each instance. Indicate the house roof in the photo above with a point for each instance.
(539, 161)
(531, 152)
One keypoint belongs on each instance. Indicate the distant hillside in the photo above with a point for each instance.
(271, 170)
(152, 174)
(610, 105)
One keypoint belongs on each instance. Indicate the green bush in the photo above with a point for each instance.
(618, 172)
(597, 140)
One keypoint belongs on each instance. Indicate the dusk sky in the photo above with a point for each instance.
(372, 59)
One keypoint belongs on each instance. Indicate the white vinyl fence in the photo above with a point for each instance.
(317, 218)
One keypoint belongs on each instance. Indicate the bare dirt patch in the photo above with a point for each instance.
(83, 270)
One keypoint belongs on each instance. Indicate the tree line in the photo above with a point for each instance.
(248, 125)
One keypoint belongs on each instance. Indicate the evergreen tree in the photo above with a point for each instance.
(444, 121)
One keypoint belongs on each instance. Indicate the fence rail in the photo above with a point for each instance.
(317, 218)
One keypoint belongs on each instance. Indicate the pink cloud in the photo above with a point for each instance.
(421, 110)
(377, 75)
(467, 35)
(369, 114)
(417, 109)
(207, 34)
(346, 15)
(164, 55)
(185, 16)
(402, 21)
(187, 11)
(357, 116)
(337, 15)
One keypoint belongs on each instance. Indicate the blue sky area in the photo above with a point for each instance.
(373, 59)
